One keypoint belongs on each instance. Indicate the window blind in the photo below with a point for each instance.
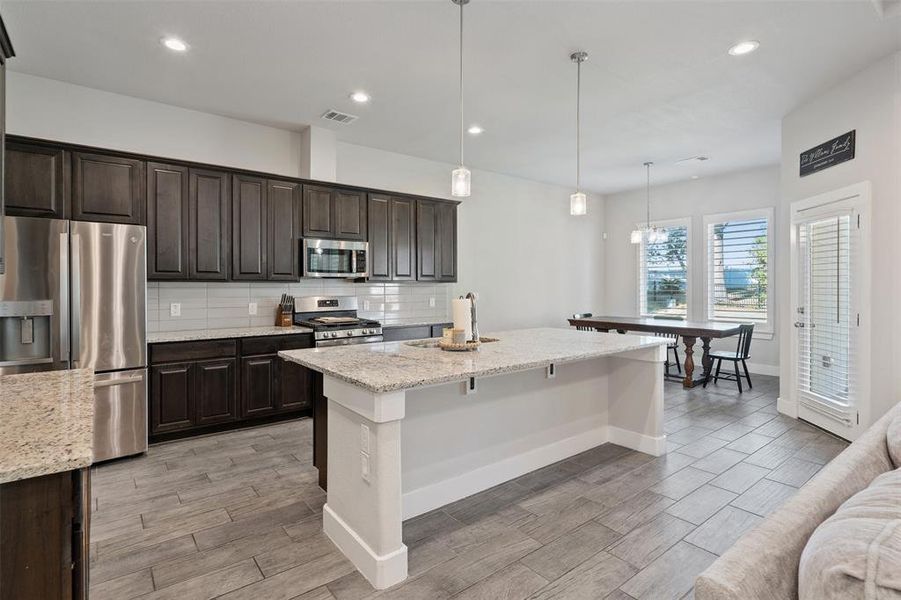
(663, 281)
(825, 317)
(738, 263)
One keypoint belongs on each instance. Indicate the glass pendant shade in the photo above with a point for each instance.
(578, 204)
(460, 182)
(635, 236)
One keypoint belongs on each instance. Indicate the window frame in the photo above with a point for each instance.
(761, 329)
(642, 276)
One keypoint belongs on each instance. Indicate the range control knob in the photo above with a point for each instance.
(349, 333)
(333, 334)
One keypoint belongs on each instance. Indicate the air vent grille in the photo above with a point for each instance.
(337, 116)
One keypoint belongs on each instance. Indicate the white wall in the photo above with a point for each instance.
(744, 190)
(869, 102)
(55, 110)
(532, 263)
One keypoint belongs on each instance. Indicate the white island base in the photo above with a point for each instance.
(425, 447)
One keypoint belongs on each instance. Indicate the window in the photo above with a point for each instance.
(664, 273)
(739, 269)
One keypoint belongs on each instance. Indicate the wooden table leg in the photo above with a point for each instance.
(688, 382)
(706, 361)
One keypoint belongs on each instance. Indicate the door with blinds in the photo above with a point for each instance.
(829, 291)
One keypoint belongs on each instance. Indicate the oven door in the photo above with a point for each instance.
(370, 339)
(335, 258)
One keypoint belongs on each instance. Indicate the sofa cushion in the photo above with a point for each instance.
(856, 553)
(893, 440)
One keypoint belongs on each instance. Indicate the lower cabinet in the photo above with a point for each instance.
(196, 387)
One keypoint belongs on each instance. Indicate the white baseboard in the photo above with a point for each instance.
(787, 407)
(758, 369)
(381, 571)
(655, 446)
(430, 497)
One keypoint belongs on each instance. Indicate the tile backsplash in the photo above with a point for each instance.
(216, 305)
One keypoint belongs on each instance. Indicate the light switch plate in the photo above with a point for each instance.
(364, 466)
(431, 301)
(364, 438)
(365, 304)
(175, 309)
(252, 308)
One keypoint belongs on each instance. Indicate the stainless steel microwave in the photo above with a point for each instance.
(335, 258)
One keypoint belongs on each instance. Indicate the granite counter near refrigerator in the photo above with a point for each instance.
(46, 449)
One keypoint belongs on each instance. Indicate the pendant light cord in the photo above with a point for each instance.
(579, 126)
(461, 83)
(648, 169)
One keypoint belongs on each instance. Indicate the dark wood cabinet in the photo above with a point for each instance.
(171, 396)
(295, 387)
(208, 225)
(167, 221)
(392, 238)
(436, 240)
(214, 391)
(108, 188)
(285, 205)
(334, 213)
(249, 227)
(258, 385)
(36, 181)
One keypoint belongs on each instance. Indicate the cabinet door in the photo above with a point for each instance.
(209, 232)
(214, 391)
(350, 215)
(107, 188)
(295, 386)
(249, 228)
(285, 206)
(37, 181)
(317, 212)
(379, 237)
(167, 221)
(426, 240)
(446, 230)
(171, 405)
(403, 239)
(259, 375)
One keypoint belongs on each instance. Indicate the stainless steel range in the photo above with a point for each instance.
(334, 321)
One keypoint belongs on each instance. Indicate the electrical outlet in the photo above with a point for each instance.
(252, 308)
(365, 304)
(431, 301)
(175, 309)
(364, 438)
(364, 466)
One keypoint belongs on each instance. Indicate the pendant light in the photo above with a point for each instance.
(578, 203)
(461, 177)
(653, 235)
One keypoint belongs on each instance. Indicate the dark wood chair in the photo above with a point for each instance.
(582, 316)
(674, 346)
(741, 355)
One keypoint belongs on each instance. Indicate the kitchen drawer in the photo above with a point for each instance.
(184, 351)
(275, 343)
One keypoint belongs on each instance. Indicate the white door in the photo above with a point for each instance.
(830, 294)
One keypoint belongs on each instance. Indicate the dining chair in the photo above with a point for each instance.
(674, 346)
(741, 355)
(582, 316)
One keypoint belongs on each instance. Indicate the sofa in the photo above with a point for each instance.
(764, 563)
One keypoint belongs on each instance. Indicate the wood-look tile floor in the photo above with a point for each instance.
(238, 515)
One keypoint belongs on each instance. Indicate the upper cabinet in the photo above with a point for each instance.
(249, 227)
(285, 208)
(209, 208)
(392, 238)
(108, 188)
(334, 213)
(436, 240)
(37, 181)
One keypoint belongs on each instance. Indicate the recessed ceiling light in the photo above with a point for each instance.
(360, 97)
(694, 176)
(744, 47)
(475, 130)
(173, 43)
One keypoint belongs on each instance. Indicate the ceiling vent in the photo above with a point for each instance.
(691, 160)
(339, 117)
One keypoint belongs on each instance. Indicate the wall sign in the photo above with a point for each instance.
(828, 154)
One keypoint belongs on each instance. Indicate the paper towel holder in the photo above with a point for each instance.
(472, 297)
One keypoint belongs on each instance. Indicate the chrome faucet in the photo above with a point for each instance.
(472, 296)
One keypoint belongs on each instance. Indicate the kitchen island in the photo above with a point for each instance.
(470, 421)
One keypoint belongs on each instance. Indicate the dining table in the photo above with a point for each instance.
(688, 331)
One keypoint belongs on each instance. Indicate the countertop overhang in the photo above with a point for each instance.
(46, 423)
(193, 335)
(392, 366)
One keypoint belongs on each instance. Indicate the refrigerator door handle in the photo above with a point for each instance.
(76, 298)
(120, 381)
(63, 297)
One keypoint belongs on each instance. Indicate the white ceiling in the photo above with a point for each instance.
(658, 85)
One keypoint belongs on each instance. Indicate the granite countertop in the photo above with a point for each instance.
(220, 334)
(394, 366)
(46, 423)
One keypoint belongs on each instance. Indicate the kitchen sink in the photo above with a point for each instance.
(433, 342)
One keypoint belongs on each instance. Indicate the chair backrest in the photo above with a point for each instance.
(744, 341)
(581, 315)
(672, 336)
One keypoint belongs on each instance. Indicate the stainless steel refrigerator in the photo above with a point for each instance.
(74, 296)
